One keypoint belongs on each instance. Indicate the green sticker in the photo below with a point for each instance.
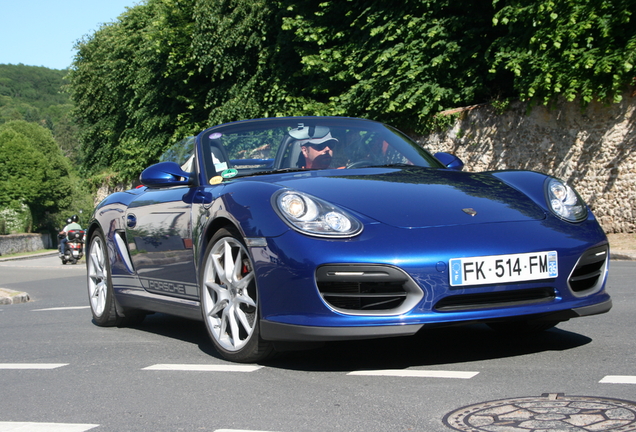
(229, 173)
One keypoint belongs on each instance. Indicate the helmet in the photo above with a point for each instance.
(68, 221)
(74, 218)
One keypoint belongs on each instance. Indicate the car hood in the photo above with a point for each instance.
(418, 197)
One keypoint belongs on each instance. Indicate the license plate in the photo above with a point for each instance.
(496, 269)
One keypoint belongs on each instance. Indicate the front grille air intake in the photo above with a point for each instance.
(588, 274)
(367, 289)
(522, 297)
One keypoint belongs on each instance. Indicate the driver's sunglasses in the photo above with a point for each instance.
(320, 147)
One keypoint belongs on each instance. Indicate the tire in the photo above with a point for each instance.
(522, 327)
(106, 312)
(229, 300)
(100, 286)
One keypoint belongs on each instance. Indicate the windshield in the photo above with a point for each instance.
(182, 153)
(307, 143)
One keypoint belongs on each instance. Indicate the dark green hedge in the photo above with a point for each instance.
(168, 68)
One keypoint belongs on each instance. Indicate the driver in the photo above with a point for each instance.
(318, 152)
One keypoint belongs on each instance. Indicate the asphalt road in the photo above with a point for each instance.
(58, 371)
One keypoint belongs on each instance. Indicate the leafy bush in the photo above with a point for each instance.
(16, 220)
(34, 173)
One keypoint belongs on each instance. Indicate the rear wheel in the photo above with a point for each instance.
(100, 286)
(229, 300)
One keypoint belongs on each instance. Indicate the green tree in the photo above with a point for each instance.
(33, 171)
(573, 48)
(135, 87)
(398, 62)
(32, 93)
(36, 94)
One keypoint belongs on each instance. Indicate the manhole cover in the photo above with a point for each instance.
(548, 413)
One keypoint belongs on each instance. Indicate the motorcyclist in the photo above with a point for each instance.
(72, 223)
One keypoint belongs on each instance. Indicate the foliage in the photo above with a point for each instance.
(33, 172)
(168, 68)
(15, 220)
(133, 84)
(32, 93)
(36, 94)
(574, 48)
(236, 45)
(399, 62)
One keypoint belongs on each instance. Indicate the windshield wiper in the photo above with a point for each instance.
(276, 171)
(393, 165)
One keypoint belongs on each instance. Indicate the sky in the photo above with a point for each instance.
(44, 32)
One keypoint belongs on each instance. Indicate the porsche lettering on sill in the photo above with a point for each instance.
(496, 269)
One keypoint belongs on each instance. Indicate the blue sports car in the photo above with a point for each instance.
(302, 229)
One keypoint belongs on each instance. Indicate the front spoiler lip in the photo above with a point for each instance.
(594, 309)
(274, 331)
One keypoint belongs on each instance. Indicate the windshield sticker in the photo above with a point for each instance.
(216, 180)
(229, 173)
(216, 135)
(221, 166)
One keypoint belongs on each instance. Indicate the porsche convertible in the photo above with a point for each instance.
(284, 231)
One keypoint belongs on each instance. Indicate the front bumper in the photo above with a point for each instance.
(274, 331)
(300, 300)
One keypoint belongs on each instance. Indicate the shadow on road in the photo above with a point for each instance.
(190, 331)
(430, 347)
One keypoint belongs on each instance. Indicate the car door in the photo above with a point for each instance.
(159, 233)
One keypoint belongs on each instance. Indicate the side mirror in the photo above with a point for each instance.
(450, 161)
(165, 174)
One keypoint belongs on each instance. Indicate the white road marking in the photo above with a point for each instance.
(237, 430)
(619, 379)
(203, 368)
(416, 373)
(44, 427)
(32, 365)
(61, 308)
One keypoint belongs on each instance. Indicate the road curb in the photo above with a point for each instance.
(24, 257)
(8, 297)
(623, 256)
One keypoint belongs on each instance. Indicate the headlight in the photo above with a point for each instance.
(313, 216)
(564, 201)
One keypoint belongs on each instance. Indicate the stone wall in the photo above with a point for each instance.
(106, 189)
(15, 243)
(591, 148)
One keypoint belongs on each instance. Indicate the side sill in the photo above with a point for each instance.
(189, 309)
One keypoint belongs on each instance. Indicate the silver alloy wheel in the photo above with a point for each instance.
(229, 294)
(97, 277)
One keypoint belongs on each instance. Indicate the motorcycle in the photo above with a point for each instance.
(75, 246)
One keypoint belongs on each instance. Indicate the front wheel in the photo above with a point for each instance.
(229, 300)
